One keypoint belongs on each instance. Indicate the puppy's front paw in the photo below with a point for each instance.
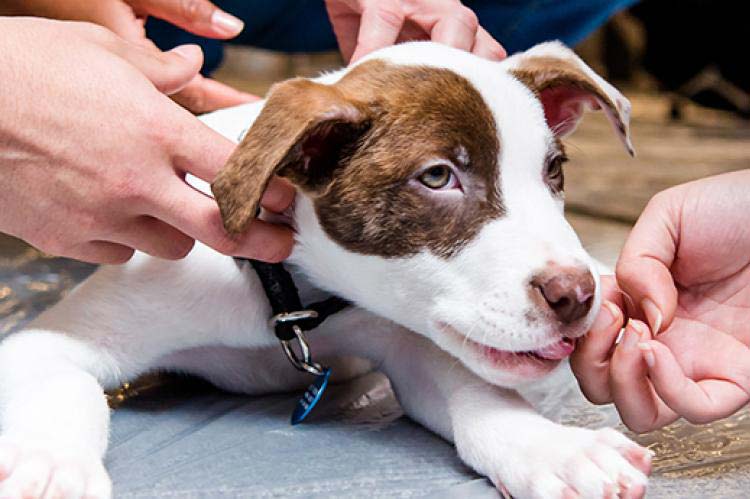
(38, 471)
(566, 463)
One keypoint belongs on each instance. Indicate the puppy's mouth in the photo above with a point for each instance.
(531, 363)
(528, 363)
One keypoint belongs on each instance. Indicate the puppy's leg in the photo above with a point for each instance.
(495, 430)
(113, 327)
(54, 417)
(502, 437)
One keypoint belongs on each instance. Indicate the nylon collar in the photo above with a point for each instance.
(290, 319)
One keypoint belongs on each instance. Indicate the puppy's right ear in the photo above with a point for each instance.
(303, 133)
(567, 87)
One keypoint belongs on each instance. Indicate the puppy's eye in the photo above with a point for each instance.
(437, 177)
(554, 173)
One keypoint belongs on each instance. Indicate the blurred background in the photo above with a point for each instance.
(683, 65)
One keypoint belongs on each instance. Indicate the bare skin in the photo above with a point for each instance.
(93, 155)
(127, 18)
(685, 270)
(362, 26)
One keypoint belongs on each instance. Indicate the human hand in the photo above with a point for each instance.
(362, 26)
(127, 18)
(685, 269)
(93, 154)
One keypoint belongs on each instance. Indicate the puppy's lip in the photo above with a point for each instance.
(528, 363)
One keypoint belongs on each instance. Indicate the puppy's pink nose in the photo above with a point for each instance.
(567, 291)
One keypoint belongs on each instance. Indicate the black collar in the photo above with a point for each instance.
(290, 319)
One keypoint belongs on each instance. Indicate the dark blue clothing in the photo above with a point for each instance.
(303, 26)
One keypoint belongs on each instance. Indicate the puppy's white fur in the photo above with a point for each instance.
(207, 316)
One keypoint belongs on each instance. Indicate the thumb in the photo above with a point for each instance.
(169, 71)
(199, 17)
(643, 269)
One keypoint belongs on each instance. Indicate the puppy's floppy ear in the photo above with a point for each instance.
(302, 133)
(567, 88)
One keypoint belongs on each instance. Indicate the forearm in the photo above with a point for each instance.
(54, 9)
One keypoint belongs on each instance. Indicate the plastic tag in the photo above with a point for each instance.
(310, 398)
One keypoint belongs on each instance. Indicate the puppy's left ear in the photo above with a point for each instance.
(567, 88)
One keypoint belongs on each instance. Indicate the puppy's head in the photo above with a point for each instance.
(431, 192)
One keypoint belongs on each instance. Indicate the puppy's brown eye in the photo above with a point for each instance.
(554, 173)
(436, 177)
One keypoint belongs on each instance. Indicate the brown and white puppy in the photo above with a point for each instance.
(430, 193)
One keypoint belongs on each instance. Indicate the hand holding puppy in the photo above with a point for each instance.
(685, 270)
(93, 154)
(363, 26)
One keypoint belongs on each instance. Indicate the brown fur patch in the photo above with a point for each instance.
(425, 113)
(363, 192)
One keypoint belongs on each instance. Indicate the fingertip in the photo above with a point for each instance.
(486, 46)
(363, 49)
(492, 53)
(279, 195)
(225, 24)
(640, 328)
(272, 243)
(189, 51)
(648, 354)
(608, 319)
(500, 52)
(281, 249)
(653, 314)
(204, 95)
(179, 66)
(610, 291)
(626, 357)
(665, 372)
(199, 17)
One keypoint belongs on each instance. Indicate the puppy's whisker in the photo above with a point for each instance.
(467, 336)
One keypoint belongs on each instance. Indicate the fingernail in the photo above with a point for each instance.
(608, 314)
(640, 328)
(648, 354)
(630, 338)
(653, 314)
(226, 23)
(188, 51)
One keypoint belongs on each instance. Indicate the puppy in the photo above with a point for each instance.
(430, 195)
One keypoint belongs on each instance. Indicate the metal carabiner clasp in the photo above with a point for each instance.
(305, 363)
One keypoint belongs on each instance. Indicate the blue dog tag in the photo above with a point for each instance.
(311, 397)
